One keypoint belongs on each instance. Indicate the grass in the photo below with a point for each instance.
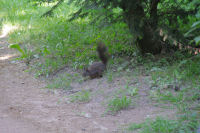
(55, 41)
(183, 73)
(82, 96)
(64, 81)
(133, 91)
(116, 104)
(162, 125)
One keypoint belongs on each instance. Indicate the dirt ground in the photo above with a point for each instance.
(26, 107)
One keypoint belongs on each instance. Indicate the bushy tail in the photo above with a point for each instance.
(103, 52)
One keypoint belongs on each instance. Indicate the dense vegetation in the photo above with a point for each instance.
(67, 35)
(145, 18)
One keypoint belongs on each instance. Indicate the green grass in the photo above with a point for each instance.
(55, 41)
(64, 81)
(133, 91)
(183, 72)
(116, 104)
(82, 96)
(162, 125)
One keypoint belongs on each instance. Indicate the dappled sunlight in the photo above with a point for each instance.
(7, 56)
(22, 12)
(7, 28)
(46, 4)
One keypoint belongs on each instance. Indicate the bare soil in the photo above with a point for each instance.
(26, 107)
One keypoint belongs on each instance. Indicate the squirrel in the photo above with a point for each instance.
(97, 68)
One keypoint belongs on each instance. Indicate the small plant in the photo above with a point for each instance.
(160, 125)
(132, 92)
(117, 104)
(83, 96)
(110, 77)
(25, 52)
(17, 47)
(62, 82)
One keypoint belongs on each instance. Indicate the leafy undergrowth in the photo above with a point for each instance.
(173, 84)
(177, 84)
(185, 124)
(116, 104)
(53, 42)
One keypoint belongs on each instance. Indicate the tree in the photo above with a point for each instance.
(143, 17)
(49, 13)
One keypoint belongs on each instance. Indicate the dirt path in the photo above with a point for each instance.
(25, 107)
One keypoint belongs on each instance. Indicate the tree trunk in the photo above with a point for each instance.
(150, 42)
(143, 30)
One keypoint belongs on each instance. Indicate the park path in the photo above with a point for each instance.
(26, 107)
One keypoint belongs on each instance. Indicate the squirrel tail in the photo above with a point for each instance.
(103, 52)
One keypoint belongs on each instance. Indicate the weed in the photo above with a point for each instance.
(133, 91)
(110, 77)
(160, 125)
(185, 124)
(116, 104)
(82, 96)
(64, 81)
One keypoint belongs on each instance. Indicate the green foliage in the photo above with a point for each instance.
(55, 42)
(82, 96)
(117, 104)
(25, 53)
(133, 91)
(194, 32)
(17, 47)
(184, 73)
(186, 123)
(173, 16)
(64, 81)
(161, 125)
(42, 1)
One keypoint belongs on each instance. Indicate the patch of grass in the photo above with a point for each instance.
(64, 81)
(184, 74)
(116, 104)
(82, 96)
(57, 42)
(162, 125)
(109, 77)
(133, 91)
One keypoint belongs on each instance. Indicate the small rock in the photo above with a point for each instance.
(83, 129)
(87, 115)
(13, 62)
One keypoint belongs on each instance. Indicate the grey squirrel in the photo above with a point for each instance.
(97, 68)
